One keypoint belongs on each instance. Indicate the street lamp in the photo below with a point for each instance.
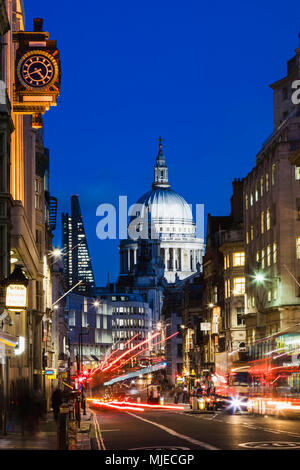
(259, 278)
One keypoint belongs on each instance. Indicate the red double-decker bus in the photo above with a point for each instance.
(274, 374)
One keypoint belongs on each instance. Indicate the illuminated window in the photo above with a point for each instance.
(263, 258)
(274, 252)
(253, 301)
(257, 256)
(298, 247)
(297, 172)
(246, 201)
(269, 255)
(216, 294)
(268, 221)
(275, 293)
(228, 261)
(273, 173)
(251, 232)
(225, 262)
(256, 192)
(261, 186)
(247, 237)
(227, 288)
(262, 222)
(269, 295)
(267, 182)
(238, 285)
(239, 259)
(251, 199)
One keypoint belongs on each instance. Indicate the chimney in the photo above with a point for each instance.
(38, 24)
(237, 201)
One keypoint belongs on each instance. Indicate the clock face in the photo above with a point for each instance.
(37, 71)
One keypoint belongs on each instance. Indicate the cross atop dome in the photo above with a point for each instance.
(160, 169)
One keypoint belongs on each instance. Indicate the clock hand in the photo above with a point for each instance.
(40, 74)
(35, 71)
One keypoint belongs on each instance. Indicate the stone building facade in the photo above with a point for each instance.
(26, 235)
(271, 215)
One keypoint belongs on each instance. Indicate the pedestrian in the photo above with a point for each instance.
(56, 402)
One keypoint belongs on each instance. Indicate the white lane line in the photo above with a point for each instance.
(176, 434)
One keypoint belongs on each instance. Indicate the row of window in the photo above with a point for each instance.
(238, 259)
(272, 294)
(260, 186)
(128, 310)
(265, 257)
(265, 222)
(127, 323)
(239, 285)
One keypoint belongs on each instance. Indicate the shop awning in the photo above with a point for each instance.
(8, 340)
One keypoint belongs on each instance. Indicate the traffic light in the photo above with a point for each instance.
(45, 361)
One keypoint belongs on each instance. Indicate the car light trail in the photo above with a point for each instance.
(146, 405)
(117, 407)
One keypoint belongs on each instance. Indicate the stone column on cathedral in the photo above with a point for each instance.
(128, 259)
(135, 256)
(181, 260)
(194, 260)
(173, 259)
(166, 259)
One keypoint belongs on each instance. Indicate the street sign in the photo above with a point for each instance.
(205, 326)
(50, 373)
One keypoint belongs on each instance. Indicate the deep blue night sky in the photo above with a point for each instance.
(194, 72)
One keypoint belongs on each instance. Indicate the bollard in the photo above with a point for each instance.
(77, 411)
(83, 405)
(194, 403)
(72, 434)
(62, 428)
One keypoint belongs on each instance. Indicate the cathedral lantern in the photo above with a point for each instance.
(37, 73)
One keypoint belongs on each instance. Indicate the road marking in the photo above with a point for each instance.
(176, 434)
(98, 433)
(280, 445)
(161, 448)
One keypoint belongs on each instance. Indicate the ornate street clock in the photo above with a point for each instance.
(37, 73)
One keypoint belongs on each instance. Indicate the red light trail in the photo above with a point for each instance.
(111, 405)
(129, 351)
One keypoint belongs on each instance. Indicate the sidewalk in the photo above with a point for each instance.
(46, 436)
